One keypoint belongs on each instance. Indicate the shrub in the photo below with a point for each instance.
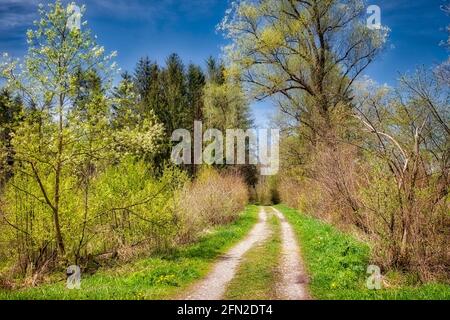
(212, 199)
(406, 223)
(138, 209)
(122, 209)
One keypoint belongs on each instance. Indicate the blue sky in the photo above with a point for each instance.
(157, 28)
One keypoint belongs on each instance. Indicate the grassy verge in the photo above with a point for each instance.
(157, 277)
(337, 264)
(256, 276)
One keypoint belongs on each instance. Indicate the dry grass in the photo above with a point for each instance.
(212, 199)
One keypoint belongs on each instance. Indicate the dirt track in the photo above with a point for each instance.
(292, 277)
(293, 285)
(214, 285)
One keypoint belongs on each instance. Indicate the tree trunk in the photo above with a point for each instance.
(58, 234)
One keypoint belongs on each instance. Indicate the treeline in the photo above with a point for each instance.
(178, 95)
(85, 171)
(369, 158)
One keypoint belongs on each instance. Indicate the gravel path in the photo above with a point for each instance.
(293, 282)
(214, 285)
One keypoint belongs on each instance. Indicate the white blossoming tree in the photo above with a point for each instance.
(66, 135)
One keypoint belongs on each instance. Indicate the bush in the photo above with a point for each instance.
(411, 227)
(406, 224)
(212, 199)
(138, 209)
(122, 210)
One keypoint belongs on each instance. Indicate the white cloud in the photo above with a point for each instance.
(17, 13)
(153, 9)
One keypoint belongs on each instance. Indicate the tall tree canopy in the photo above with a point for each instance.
(305, 54)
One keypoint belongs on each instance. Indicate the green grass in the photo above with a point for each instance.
(257, 275)
(156, 277)
(337, 264)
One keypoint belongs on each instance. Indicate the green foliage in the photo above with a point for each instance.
(358, 154)
(137, 208)
(125, 207)
(178, 96)
(89, 180)
(48, 144)
(226, 106)
(65, 145)
(266, 191)
(10, 118)
(170, 93)
(147, 88)
(173, 79)
(158, 277)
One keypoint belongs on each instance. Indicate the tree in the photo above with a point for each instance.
(304, 54)
(65, 135)
(148, 89)
(195, 84)
(306, 57)
(407, 145)
(10, 116)
(125, 110)
(215, 71)
(55, 54)
(174, 86)
(226, 106)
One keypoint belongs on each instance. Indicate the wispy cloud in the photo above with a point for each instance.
(16, 13)
(152, 9)
(16, 16)
(20, 13)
